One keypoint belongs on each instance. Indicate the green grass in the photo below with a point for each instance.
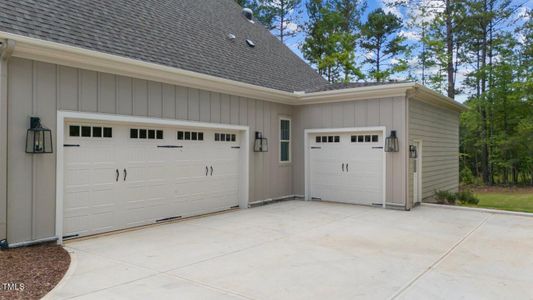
(505, 201)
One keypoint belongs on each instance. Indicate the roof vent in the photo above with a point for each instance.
(231, 36)
(248, 14)
(250, 43)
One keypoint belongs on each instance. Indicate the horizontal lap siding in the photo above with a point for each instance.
(37, 88)
(438, 129)
(388, 112)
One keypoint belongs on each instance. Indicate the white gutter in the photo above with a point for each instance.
(57, 53)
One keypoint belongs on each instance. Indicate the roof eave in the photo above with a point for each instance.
(358, 93)
(426, 94)
(57, 53)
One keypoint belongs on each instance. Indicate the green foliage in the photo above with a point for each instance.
(445, 197)
(466, 176)
(332, 33)
(380, 38)
(279, 16)
(497, 132)
(467, 197)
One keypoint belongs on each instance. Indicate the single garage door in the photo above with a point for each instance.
(121, 176)
(347, 167)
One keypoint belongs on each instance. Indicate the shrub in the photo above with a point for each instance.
(467, 197)
(466, 176)
(445, 197)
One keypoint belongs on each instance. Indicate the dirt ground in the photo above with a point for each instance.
(31, 272)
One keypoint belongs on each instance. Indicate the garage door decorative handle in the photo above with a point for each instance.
(211, 170)
(125, 174)
(346, 167)
(343, 167)
(118, 174)
(206, 170)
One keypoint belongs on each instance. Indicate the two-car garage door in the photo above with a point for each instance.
(346, 167)
(120, 176)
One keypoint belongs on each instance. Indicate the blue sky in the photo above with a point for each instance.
(294, 43)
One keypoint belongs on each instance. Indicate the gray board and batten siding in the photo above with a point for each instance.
(388, 112)
(38, 88)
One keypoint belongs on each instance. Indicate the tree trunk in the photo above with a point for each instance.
(449, 50)
(282, 20)
(487, 176)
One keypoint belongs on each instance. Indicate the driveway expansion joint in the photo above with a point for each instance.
(441, 258)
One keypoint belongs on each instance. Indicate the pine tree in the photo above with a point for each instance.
(282, 17)
(380, 38)
(332, 32)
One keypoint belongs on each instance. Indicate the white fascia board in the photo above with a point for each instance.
(425, 94)
(359, 93)
(57, 53)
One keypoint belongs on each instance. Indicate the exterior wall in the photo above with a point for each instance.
(438, 129)
(3, 148)
(388, 112)
(38, 88)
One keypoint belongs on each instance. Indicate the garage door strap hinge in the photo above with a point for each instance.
(235, 147)
(70, 236)
(168, 219)
(169, 146)
(316, 147)
(71, 145)
(377, 147)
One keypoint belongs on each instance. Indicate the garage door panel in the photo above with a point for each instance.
(76, 225)
(349, 170)
(77, 176)
(160, 183)
(76, 202)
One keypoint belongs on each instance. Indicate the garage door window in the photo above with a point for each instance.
(365, 138)
(90, 131)
(285, 140)
(146, 134)
(225, 137)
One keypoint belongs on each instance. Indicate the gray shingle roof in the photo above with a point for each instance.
(349, 85)
(186, 34)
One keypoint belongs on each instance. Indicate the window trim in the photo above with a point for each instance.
(283, 118)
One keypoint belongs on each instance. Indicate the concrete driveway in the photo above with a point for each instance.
(311, 250)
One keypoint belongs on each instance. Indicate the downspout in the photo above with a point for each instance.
(6, 50)
(408, 198)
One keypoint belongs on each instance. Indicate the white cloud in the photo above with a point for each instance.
(291, 26)
(410, 35)
(424, 10)
(522, 13)
(389, 7)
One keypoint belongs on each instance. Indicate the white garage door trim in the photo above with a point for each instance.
(308, 132)
(63, 116)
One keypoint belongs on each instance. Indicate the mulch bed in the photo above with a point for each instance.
(502, 189)
(31, 272)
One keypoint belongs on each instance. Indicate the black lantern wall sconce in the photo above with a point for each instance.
(261, 143)
(412, 151)
(38, 138)
(391, 142)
